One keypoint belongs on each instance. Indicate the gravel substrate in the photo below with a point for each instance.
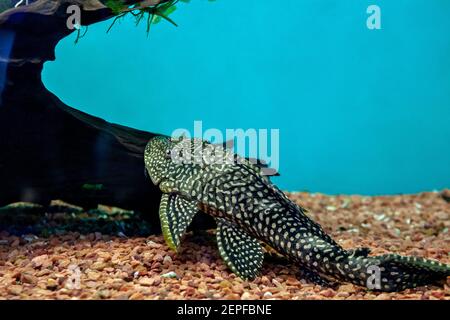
(71, 265)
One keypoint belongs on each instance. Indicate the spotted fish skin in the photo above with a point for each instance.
(249, 209)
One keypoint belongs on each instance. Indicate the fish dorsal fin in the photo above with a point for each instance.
(242, 253)
(175, 214)
(263, 167)
(228, 144)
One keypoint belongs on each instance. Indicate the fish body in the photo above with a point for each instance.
(249, 210)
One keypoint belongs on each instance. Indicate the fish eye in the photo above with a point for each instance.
(168, 153)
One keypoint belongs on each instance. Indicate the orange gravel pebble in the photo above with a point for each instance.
(96, 266)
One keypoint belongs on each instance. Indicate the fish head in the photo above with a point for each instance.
(157, 158)
(174, 158)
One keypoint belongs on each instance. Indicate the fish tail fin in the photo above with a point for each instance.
(392, 272)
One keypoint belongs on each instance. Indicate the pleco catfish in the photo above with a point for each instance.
(195, 175)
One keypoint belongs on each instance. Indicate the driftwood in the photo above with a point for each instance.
(49, 150)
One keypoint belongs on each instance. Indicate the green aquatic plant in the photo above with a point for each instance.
(141, 11)
(116, 6)
(4, 6)
(151, 14)
(7, 4)
(79, 35)
(95, 187)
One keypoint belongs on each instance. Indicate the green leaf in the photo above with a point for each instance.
(116, 6)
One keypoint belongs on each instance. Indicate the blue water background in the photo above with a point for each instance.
(359, 111)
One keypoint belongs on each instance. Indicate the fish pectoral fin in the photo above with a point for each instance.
(167, 186)
(175, 215)
(242, 253)
(274, 255)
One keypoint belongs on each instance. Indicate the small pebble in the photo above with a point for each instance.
(170, 274)
(167, 260)
(101, 265)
